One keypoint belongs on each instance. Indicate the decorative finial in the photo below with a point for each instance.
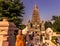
(35, 6)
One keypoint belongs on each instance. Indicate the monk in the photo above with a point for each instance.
(20, 39)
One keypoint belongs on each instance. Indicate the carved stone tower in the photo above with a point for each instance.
(35, 17)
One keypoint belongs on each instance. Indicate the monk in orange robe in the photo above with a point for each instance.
(20, 39)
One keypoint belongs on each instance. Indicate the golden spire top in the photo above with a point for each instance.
(35, 6)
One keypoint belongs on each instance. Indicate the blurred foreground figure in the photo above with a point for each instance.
(20, 39)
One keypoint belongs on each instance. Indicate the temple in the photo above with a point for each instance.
(35, 16)
(35, 25)
(35, 31)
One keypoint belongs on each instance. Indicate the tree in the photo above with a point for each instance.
(56, 24)
(54, 17)
(48, 24)
(13, 10)
(22, 26)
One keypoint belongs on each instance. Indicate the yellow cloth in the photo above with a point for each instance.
(20, 40)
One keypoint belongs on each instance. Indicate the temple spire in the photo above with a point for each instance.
(35, 15)
(35, 7)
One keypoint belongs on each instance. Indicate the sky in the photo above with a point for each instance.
(47, 8)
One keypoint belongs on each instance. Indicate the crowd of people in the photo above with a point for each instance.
(27, 40)
(24, 40)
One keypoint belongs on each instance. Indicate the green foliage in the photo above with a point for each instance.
(48, 24)
(55, 17)
(53, 29)
(22, 26)
(12, 10)
(56, 24)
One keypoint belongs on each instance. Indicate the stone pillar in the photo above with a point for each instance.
(1, 40)
(43, 39)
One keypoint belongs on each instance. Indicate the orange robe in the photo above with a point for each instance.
(20, 40)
